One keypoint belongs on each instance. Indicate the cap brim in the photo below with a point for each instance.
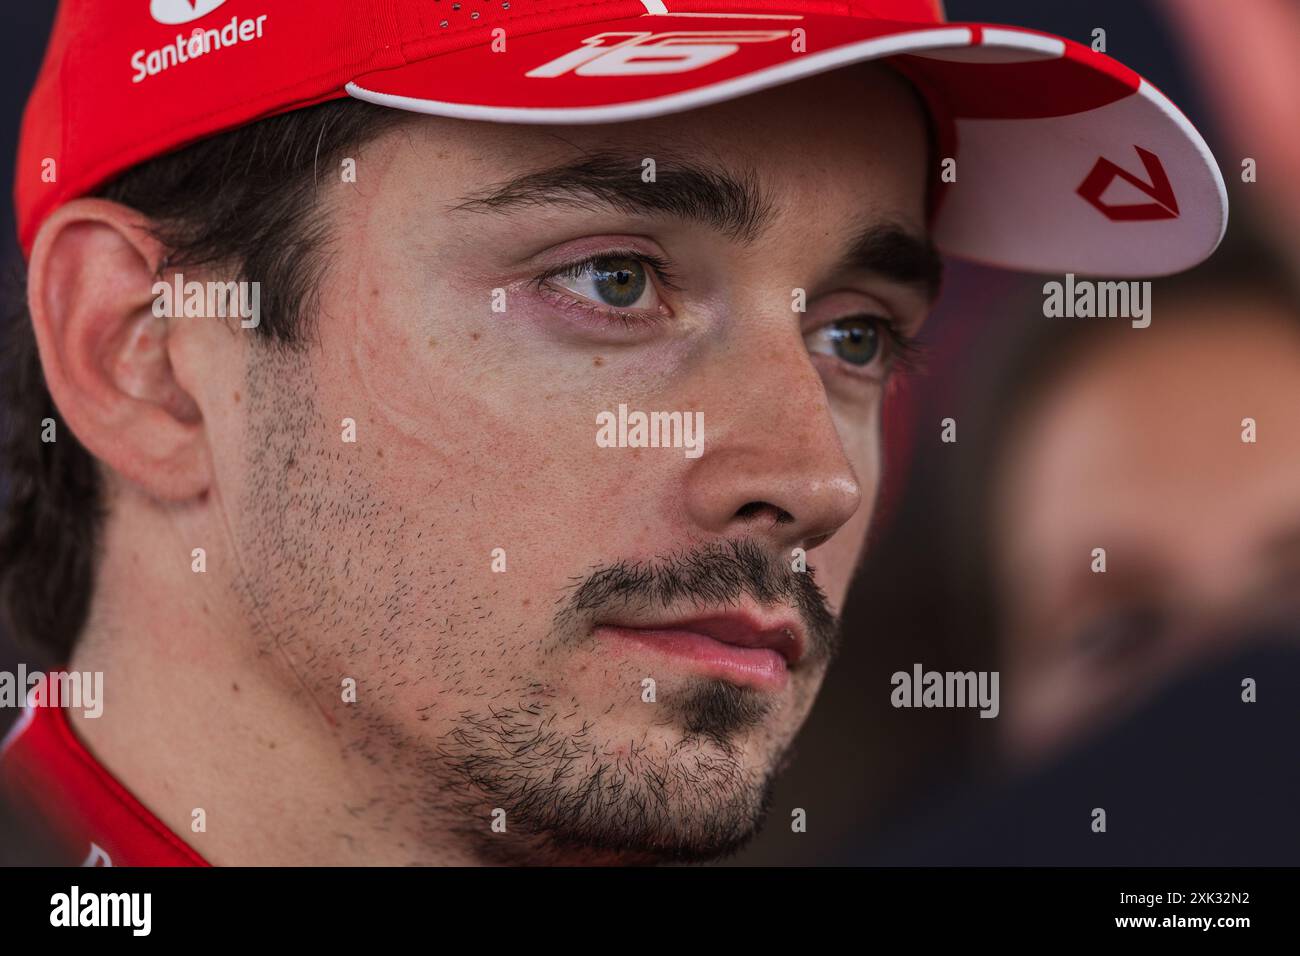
(1066, 161)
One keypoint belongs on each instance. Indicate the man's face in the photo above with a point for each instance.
(1139, 451)
(611, 644)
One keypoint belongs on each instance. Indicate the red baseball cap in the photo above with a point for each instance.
(1065, 160)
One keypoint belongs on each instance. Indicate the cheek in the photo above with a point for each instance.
(836, 560)
(483, 457)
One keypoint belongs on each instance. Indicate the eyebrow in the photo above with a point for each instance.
(888, 250)
(730, 203)
(734, 205)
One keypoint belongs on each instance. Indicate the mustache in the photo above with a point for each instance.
(710, 576)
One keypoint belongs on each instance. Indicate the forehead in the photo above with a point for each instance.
(1152, 401)
(859, 134)
(1158, 417)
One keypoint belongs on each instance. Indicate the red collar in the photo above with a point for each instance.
(52, 776)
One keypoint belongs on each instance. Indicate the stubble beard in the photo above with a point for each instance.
(576, 797)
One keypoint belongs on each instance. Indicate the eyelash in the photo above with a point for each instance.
(905, 354)
(658, 264)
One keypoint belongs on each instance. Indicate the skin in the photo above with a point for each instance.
(1138, 450)
(372, 560)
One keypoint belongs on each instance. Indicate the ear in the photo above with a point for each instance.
(106, 355)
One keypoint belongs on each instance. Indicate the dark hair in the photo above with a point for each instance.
(244, 200)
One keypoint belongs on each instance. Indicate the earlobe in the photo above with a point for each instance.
(104, 352)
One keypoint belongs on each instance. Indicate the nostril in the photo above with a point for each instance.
(758, 509)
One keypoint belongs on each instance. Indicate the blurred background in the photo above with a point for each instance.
(1121, 690)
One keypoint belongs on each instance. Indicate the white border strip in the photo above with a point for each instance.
(1052, 46)
(807, 65)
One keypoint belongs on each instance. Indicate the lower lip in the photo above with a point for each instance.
(760, 667)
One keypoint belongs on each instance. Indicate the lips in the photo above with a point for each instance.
(745, 648)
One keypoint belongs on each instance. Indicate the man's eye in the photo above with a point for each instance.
(617, 281)
(860, 340)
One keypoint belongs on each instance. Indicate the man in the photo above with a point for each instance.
(506, 518)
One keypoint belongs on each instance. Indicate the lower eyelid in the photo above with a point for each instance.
(874, 376)
(564, 299)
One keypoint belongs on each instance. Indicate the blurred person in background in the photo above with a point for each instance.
(1121, 690)
(1176, 449)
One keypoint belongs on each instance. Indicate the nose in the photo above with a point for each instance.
(774, 467)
